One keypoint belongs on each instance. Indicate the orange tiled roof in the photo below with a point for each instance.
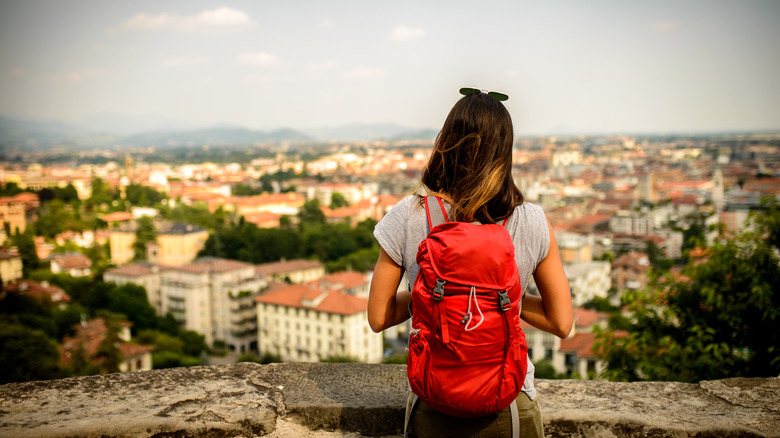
(346, 279)
(335, 302)
(133, 270)
(587, 317)
(90, 335)
(73, 261)
(212, 264)
(39, 290)
(284, 266)
(581, 344)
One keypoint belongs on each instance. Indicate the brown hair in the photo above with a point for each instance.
(471, 161)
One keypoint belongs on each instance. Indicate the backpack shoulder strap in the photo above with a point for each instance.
(435, 216)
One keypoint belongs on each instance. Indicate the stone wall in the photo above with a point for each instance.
(310, 399)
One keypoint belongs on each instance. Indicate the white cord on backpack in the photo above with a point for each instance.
(473, 293)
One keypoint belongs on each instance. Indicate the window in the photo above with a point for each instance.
(548, 353)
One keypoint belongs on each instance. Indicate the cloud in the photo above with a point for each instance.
(320, 66)
(261, 59)
(363, 73)
(664, 26)
(222, 19)
(184, 61)
(405, 33)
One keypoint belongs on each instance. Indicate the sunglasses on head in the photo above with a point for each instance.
(494, 94)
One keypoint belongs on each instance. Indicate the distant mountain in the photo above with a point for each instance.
(213, 136)
(110, 129)
(128, 125)
(28, 132)
(422, 134)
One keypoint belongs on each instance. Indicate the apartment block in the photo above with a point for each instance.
(143, 274)
(310, 322)
(214, 297)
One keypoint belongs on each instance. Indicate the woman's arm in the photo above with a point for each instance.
(387, 308)
(552, 311)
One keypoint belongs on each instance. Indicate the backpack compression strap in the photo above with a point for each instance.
(441, 219)
(433, 216)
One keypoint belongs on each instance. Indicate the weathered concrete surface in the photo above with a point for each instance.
(346, 400)
(725, 408)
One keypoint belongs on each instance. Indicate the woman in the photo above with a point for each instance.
(470, 169)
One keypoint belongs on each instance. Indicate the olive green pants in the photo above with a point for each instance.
(426, 422)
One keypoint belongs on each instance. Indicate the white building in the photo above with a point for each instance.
(214, 297)
(573, 355)
(588, 280)
(311, 322)
(143, 274)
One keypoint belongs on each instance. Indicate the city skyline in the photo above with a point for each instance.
(571, 68)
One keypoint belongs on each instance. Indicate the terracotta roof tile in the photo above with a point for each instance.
(581, 344)
(135, 269)
(345, 279)
(285, 266)
(335, 302)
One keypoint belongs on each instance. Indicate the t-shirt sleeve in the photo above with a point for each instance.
(391, 233)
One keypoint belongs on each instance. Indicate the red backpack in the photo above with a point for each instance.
(467, 352)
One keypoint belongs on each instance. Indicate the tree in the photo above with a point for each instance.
(719, 319)
(144, 234)
(26, 246)
(108, 356)
(311, 213)
(27, 354)
(337, 200)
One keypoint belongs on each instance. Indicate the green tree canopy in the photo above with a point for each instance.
(145, 233)
(337, 200)
(718, 319)
(311, 213)
(27, 354)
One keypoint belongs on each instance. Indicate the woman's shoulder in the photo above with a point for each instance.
(530, 211)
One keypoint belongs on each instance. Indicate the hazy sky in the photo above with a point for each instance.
(579, 66)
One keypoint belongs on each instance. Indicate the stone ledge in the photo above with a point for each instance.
(253, 400)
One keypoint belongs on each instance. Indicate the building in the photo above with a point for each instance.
(292, 271)
(577, 350)
(588, 280)
(42, 291)
(214, 297)
(314, 321)
(176, 243)
(10, 265)
(75, 264)
(121, 241)
(144, 274)
(575, 247)
(14, 210)
(573, 355)
(629, 271)
(90, 334)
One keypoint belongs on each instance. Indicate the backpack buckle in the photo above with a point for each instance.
(503, 300)
(438, 290)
